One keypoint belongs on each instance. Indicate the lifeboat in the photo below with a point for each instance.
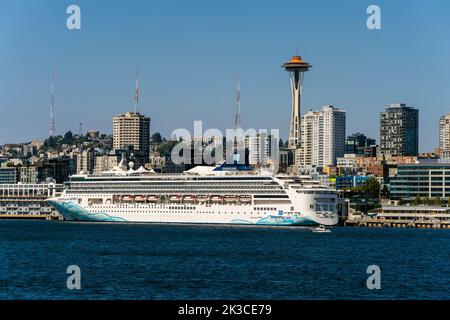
(153, 198)
(230, 199)
(216, 199)
(139, 198)
(245, 199)
(175, 198)
(202, 198)
(127, 198)
(189, 198)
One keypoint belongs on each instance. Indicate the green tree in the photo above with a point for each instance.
(372, 188)
(68, 138)
(156, 137)
(437, 201)
(417, 201)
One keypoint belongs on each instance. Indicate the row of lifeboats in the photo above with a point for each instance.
(185, 198)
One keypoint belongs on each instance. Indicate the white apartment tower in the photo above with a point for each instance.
(444, 136)
(258, 148)
(322, 137)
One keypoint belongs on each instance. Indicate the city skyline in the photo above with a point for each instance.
(95, 77)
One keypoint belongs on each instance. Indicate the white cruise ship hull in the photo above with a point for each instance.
(189, 214)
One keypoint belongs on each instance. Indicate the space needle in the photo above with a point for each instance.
(296, 68)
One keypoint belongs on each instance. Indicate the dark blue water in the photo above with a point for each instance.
(135, 261)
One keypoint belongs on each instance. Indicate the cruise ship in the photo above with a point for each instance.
(225, 194)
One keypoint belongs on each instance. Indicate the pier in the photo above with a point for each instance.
(384, 223)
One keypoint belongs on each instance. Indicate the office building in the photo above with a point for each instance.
(399, 130)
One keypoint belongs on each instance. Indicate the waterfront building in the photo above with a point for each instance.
(399, 130)
(323, 137)
(28, 200)
(357, 144)
(444, 136)
(132, 130)
(425, 180)
(8, 175)
(413, 214)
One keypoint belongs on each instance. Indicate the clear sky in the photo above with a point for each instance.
(190, 52)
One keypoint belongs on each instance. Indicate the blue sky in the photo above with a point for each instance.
(190, 52)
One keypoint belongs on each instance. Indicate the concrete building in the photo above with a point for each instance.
(399, 130)
(106, 162)
(322, 137)
(85, 161)
(444, 136)
(132, 129)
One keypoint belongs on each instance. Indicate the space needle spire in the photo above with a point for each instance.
(136, 93)
(296, 68)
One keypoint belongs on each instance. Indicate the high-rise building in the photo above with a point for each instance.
(357, 144)
(258, 148)
(444, 136)
(323, 137)
(399, 130)
(132, 130)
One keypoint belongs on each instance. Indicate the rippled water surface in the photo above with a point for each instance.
(142, 261)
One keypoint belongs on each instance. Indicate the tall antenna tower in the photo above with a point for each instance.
(136, 92)
(237, 120)
(52, 107)
(80, 129)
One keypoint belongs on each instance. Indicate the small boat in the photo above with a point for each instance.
(321, 229)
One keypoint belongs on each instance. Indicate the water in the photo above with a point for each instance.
(139, 261)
